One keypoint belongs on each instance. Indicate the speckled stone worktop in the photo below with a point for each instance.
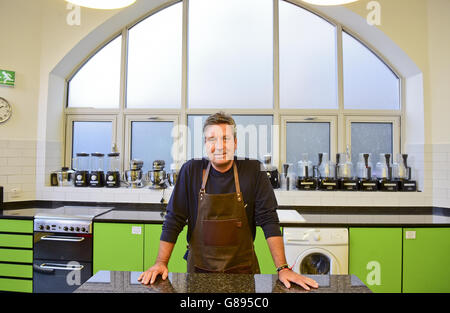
(126, 282)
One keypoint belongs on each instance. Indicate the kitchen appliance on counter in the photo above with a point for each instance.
(157, 177)
(326, 173)
(81, 167)
(63, 177)
(383, 172)
(112, 177)
(403, 174)
(133, 176)
(365, 180)
(305, 181)
(345, 173)
(62, 254)
(271, 171)
(97, 174)
(287, 178)
(172, 176)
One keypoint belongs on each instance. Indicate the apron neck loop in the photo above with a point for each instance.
(236, 180)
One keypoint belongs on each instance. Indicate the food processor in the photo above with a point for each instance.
(403, 174)
(364, 169)
(345, 172)
(383, 172)
(305, 181)
(326, 173)
(112, 177)
(271, 171)
(81, 167)
(97, 174)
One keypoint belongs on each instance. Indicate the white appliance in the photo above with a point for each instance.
(317, 250)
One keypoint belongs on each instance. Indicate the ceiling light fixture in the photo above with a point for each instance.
(329, 2)
(103, 4)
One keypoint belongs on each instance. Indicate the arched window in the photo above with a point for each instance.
(296, 82)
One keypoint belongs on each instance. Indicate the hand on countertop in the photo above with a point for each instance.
(150, 275)
(286, 276)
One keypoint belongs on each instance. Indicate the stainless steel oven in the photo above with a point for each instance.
(63, 240)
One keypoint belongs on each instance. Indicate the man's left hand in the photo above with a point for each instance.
(286, 276)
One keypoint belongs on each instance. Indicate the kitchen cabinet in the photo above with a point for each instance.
(426, 259)
(375, 256)
(151, 245)
(262, 251)
(118, 247)
(16, 255)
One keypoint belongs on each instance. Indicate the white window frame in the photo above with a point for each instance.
(332, 120)
(394, 120)
(177, 139)
(70, 119)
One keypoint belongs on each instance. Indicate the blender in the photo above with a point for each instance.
(287, 179)
(327, 174)
(271, 171)
(403, 174)
(113, 174)
(344, 172)
(97, 175)
(133, 176)
(81, 167)
(305, 181)
(157, 177)
(383, 172)
(365, 181)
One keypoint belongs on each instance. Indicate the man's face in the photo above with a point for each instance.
(220, 143)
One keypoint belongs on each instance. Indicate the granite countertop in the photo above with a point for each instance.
(126, 282)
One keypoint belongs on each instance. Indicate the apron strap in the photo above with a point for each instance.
(236, 180)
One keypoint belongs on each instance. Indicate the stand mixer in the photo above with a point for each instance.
(157, 177)
(133, 176)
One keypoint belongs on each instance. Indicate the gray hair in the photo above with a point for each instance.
(220, 118)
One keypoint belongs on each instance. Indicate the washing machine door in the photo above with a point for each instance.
(316, 261)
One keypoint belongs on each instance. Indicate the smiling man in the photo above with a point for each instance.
(222, 199)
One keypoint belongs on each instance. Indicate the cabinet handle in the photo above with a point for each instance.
(62, 238)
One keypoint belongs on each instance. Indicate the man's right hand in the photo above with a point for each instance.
(149, 276)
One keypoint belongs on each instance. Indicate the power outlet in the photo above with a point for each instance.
(15, 192)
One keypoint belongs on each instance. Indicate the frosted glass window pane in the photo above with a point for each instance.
(254, 134)
(368, 82)
(152, 141)
(97, 83)
(91, 137)
(308, 68)
(154, 60)
(305, 137)
(372, 138)
(230, 54)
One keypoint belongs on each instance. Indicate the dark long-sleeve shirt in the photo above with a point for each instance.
(256, 190)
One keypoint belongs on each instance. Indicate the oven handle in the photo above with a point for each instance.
(63, 267)
(62, 238)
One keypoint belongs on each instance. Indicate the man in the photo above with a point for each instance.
(222, 199)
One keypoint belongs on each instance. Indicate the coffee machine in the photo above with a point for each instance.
(157, 177)
(112, 177)
(403, 174)
(271, 171)
(97, 174)
(345, 172)
(383, 172)
(133, 176)
(326, 173)
(305, 181)
(81, 167)
(365, 180)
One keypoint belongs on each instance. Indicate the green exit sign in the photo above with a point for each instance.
(7, 78)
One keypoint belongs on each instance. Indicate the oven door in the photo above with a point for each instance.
(60, 246)
(58, 276)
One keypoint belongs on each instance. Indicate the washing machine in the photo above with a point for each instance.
(319, 251)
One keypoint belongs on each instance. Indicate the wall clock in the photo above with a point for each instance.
(5, 110)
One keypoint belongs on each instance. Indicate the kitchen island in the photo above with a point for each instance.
(127, 282)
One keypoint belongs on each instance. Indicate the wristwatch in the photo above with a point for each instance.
(282, 267)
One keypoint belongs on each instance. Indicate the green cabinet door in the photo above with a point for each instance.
(151, 245)
(118, 247)
(426, 259)
(263, 254)
(375, 256)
